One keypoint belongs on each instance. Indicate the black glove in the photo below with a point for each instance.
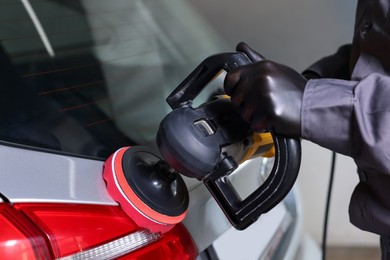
(267, 94)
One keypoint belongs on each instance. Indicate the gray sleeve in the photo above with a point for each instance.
(334, 66)
(351, 118)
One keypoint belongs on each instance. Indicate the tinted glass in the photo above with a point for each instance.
(90, 76)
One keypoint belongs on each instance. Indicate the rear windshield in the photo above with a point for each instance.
(89, 76)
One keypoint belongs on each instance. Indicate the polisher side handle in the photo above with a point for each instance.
(242, 213)
(203, 74)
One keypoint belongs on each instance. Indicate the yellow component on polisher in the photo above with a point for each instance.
(262, 146)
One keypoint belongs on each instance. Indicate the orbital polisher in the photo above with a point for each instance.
(208, 143)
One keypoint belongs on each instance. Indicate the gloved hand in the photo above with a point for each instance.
(267, 94)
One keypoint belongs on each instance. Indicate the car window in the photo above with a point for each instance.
(89, 76)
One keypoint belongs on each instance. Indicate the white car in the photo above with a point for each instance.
(81, 79)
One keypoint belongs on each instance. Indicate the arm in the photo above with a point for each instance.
(349, 117)
(353, 118)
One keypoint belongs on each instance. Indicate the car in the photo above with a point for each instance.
(81, 79)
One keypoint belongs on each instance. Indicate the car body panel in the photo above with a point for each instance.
(37, 176)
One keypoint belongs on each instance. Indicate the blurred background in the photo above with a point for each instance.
(297, 33)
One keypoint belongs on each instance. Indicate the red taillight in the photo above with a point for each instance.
(72, 228)
(19, 238)
(97, 231)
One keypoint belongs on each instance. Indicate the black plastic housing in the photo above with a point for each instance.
(188, 149)
(154, 182)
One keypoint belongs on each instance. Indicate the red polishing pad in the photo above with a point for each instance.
(144, 191)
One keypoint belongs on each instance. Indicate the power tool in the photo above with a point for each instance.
(208, 143)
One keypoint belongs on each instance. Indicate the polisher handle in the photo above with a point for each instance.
(203, 74)
(242, 213)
